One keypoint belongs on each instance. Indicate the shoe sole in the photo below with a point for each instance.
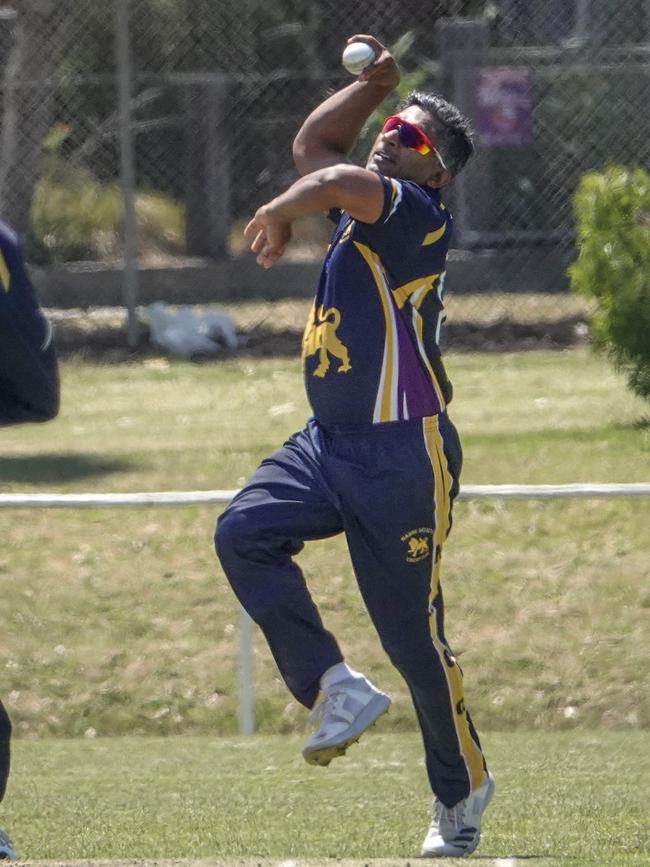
(323, 755)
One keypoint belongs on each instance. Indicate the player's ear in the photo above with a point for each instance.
(439, 177)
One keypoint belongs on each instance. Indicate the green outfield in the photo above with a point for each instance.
(119, 623)
(570, 798)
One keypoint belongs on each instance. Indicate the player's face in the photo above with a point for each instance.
(396, 152)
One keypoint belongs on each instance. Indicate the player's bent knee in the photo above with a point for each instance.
(235, 536)
(225, 534)
(5, 725)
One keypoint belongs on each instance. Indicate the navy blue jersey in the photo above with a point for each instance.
(29, 384)
(371, 346)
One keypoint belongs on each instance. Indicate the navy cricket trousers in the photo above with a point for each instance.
(5, 749)
(389, 488)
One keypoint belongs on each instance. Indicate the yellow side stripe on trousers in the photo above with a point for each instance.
(469, 749)
(5, 276)
(442, 479)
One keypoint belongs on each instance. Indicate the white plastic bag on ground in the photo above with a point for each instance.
(186, 332)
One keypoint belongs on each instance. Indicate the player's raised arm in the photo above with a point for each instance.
(329, 133)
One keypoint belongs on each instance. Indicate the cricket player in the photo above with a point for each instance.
(380, 459)
(29, 392)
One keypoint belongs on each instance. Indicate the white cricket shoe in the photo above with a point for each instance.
(7, 852)
(345, 711)
(455, 831)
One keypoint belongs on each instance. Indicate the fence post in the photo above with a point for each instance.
(463, 48)
(127, 167)
(246, 697)
(207, 167)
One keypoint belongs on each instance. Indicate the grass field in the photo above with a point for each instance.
(119, 623)
(570, 798)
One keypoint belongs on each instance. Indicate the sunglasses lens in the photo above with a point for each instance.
(409, 135)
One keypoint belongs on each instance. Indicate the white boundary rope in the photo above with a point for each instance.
(195, 498)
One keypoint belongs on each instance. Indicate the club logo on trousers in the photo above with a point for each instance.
(418, 544)
(320, 337)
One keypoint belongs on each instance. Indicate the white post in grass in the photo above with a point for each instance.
(246, 703)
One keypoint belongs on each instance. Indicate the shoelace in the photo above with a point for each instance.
(328, 704)
(451, 815)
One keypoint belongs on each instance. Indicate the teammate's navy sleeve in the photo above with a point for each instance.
(29, 381)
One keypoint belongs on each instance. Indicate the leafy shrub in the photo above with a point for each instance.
(75, 216)
(613, 266)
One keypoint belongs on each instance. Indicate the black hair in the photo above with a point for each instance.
(453, 129)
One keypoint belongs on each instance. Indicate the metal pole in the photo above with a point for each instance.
(246, 709)
(127, 167)
(582, 20)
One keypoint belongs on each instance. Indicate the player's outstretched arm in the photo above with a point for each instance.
(329, 133)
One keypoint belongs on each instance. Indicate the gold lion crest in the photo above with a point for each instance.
(320, 337)
(418, 546)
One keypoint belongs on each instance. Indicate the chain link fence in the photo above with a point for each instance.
(218, 90)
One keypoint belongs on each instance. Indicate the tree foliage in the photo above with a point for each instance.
(613, 266)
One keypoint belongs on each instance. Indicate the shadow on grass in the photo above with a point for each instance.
(512, 860)
(48, 468)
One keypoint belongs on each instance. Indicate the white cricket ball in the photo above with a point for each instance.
(357, 56)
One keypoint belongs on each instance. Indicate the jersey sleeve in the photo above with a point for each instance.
(408, 216)
(29, 382)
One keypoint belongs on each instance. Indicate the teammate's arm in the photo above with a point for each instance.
(329, 133)
(29, 384)
(29, 381)
(349, 188)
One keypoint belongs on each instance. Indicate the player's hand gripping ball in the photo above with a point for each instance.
(357, 56)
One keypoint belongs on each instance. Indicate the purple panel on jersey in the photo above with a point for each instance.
(415, 395)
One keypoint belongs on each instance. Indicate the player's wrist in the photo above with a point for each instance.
(383, 81)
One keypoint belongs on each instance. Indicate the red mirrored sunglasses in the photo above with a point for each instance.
(411, 136)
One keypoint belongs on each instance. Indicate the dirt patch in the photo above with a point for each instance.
(508, 335)
(101, 335)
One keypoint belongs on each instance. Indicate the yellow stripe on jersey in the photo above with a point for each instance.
(469, 749)
(386, 399)
(403, 293)
(418, 297)
(5, 276)
(432, 237)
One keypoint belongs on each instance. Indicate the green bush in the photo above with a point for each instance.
(75, 216)
(613, 266)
